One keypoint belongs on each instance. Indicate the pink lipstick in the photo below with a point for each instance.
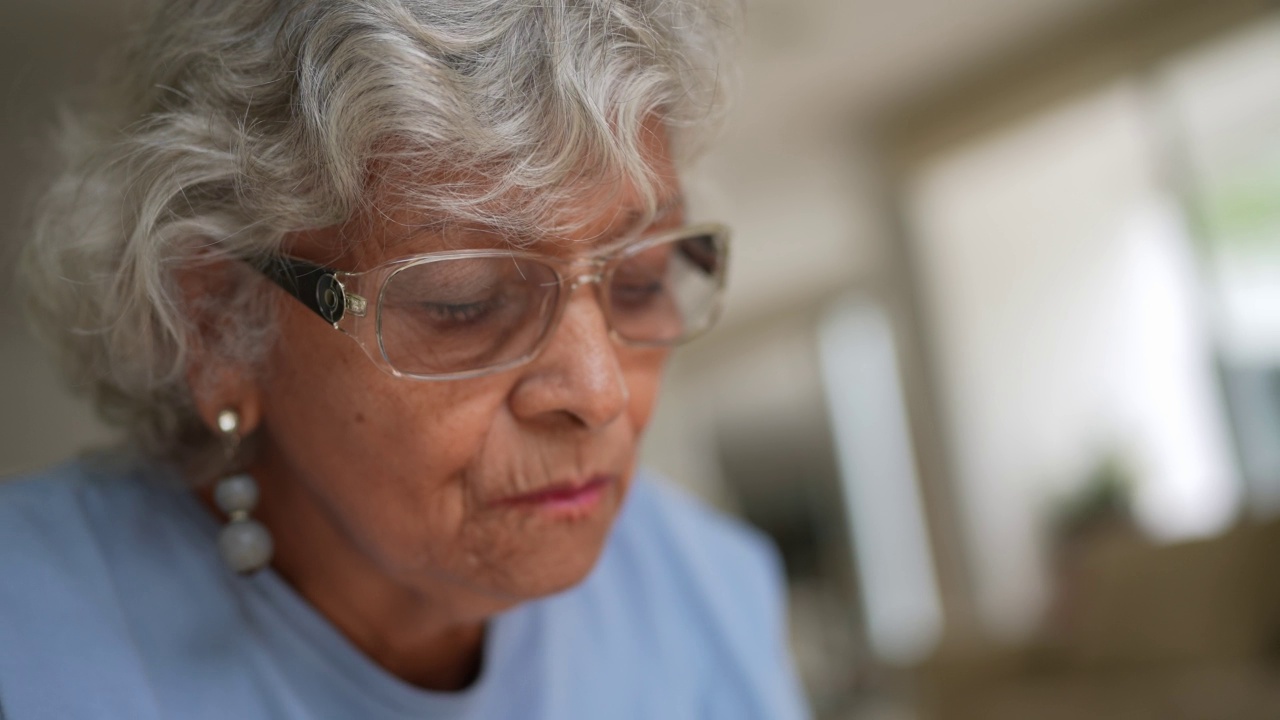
(572, 499)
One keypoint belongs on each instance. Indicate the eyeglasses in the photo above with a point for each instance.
(461, 314)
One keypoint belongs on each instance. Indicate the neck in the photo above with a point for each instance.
(429, 637)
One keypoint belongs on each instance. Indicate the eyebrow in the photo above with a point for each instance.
(633, 222)
(666, 208)
(620, 233)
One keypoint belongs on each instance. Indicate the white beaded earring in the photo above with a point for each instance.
(244, 543)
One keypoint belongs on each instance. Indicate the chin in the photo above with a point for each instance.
(552, 571)
(532, 551)
(555, 560)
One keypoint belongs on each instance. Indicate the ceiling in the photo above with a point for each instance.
(810, 62)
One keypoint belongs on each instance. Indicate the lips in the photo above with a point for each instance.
(575, 497)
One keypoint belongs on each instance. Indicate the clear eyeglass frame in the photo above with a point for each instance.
(352, 302)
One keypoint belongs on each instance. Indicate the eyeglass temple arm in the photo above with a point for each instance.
(313, 285)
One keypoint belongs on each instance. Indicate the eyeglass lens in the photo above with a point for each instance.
(458, 315)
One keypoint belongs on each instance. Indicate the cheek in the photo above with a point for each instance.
(383, 455)
(642, 368)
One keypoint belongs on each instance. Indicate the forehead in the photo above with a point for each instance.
(588, 223)
(605, 227)
(591, 216)
(395, 234)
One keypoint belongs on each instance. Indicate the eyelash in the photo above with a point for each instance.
(460, 313)
(633, 292)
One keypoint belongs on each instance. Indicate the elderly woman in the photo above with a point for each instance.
(381, 294)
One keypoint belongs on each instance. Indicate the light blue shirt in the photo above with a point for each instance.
(114, 605)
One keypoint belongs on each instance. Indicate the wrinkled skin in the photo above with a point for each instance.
(385, 495)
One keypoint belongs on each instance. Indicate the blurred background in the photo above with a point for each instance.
(1001, 367)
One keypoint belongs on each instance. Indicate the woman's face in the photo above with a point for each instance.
(504, 485)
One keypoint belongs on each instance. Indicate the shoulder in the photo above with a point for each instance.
(47, 553)
(42, 520)
(49, 520)
(61, 622)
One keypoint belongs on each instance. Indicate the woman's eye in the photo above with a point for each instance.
(460, 313)
(634, 293)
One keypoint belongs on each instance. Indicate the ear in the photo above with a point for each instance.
(216, 383)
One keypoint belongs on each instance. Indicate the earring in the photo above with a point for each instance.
(244, 543)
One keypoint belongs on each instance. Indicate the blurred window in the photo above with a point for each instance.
(879, 483)
(1101, 286)
(1224, 111)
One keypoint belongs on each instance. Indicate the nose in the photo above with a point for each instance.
(577, 377)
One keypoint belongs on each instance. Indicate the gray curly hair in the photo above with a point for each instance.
(234, 123)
